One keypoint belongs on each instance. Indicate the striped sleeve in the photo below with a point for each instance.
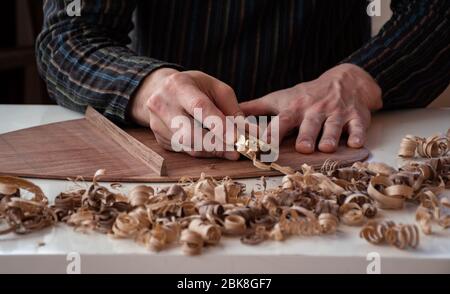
(410, 57)
(85, 59)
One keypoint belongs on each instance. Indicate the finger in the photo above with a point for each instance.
(159, 128)
(357, 133)
(199, 106)
(309, 130)
(225, 98)
(260, 106)
(164, 109)
(195, 144)
(233, 156)
(163, 142)
(332, 131)
(286, 121)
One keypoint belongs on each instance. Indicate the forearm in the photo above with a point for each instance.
(84, 60)
(410, 57)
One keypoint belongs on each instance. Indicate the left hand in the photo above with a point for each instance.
(340, 100)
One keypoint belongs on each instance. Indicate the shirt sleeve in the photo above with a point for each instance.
(85, 59)
(410, 57)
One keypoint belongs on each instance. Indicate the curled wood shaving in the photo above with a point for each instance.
(352, 214)
(228, 191)
(251, 148)
(364, 202)
(140, 195)
(296, 221)
(328, 223)
(163, 235)
(387, 194)
(125, 226)
(408, 146)
(256, 237)
(398, 235)
(235, 225)
(380, 168)
(211, 234)
(204, 188)
(191, 242)
(424, 218)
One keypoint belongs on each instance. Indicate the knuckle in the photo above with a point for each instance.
(335, 122)
(288, 118)
(295, 105)
(155, 103)
(197, 102)
(225, 90)
(313, 120)
(175, 80)
(360, 122)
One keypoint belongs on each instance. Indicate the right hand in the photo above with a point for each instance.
(168, 93)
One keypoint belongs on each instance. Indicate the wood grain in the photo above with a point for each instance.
(77, 148)
(149, 157)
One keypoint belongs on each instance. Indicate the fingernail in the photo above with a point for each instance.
(356, 140)
(307, 144)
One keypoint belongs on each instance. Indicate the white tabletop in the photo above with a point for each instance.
(345, 252)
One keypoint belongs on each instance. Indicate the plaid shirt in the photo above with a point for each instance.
(256, 46)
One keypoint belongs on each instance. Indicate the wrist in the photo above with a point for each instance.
(365, 85)
(138, 110)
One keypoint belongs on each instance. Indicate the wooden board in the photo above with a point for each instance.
(78, 148)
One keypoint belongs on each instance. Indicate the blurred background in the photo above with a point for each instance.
(21, 21)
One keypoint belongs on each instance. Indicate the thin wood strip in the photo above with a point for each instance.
(131, 145)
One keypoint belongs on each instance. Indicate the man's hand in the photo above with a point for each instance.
(340, 100)
(168, 93)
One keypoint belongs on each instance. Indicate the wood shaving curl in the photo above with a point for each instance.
(352, 214)
(211, 234)
(191, 242)
(328, 223)
(398, 235)
(125, 226)
(387, 194)
(140, 195)
(235, 225)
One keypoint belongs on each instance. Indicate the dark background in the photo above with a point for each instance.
(21, 22)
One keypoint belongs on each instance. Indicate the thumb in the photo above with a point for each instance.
(256, 107)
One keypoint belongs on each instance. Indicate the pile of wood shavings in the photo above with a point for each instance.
(196, 214)
(432, 208)
(431, 147)
(20, 215)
